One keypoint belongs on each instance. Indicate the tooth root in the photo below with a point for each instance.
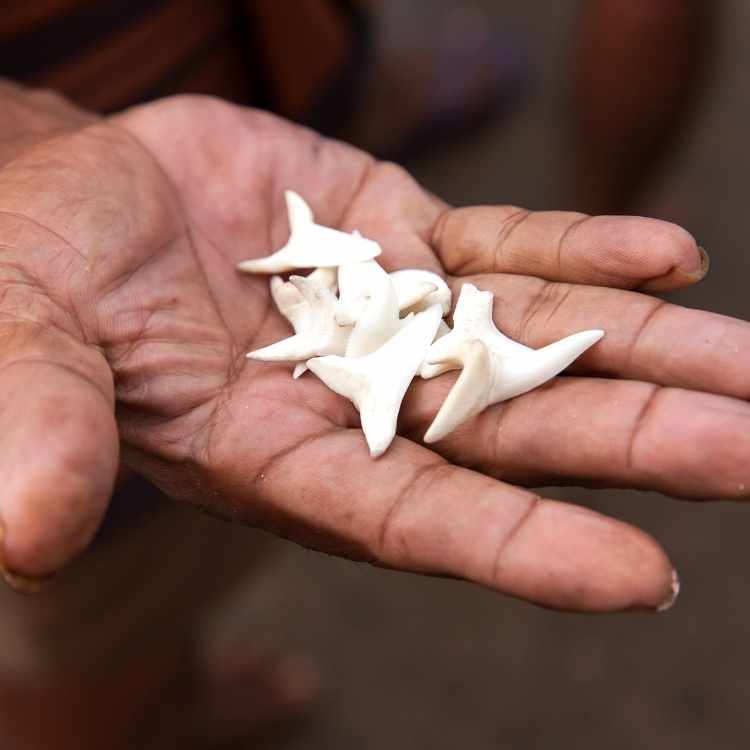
(468, 397)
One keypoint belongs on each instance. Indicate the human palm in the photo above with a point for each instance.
(126, 325)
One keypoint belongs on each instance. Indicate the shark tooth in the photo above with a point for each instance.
(293, 306)
(311, 244)
(495, 368)
(417, 290)
(313, 319)
(376, 383)
(472, 319)
(368, 301)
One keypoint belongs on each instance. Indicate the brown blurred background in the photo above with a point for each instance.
(411, 662)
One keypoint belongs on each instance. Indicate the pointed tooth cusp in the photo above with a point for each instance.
(297, 210)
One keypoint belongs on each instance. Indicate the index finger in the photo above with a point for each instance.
(620, 251)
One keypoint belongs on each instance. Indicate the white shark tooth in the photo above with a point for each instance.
(495, 368)
(295, 308)
(289, 300)
(311, 244)
(316, 330)
(470, 393)
(327, 277)
(472, 319)
(377, 382)
(417, 290)
(357, 282)
(368, 300)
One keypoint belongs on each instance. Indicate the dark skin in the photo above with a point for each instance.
(123, 329)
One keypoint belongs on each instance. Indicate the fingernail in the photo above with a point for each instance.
(672, 598)
(20, 583)
(678, 277)
(23, 584)
(702, 269)
(705, 261)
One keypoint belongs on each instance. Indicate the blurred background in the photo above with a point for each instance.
(412, 662)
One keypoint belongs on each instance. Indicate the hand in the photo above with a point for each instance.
(123, 321)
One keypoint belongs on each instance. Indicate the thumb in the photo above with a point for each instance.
(58, 449)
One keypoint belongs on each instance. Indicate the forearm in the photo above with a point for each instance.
(28, 116)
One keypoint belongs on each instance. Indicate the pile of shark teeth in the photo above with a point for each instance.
(367, 333)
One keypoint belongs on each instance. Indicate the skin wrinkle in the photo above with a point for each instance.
(233, 372)
(402, 499)
(504, 232)
(659, 305)
(562, 299)
(365, 179)
(435, 237)
(535, 502)
(564, 237)
(427, 234)
(17, 322)
(120, 281)
(546, 292)
(263, 474)
(636, 430)
(502, 414)
(34, 222)
(67, 312)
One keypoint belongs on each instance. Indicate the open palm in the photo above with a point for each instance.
(124, 324)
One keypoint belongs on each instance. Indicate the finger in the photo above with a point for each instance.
(616, 251)
(645, 338)
(60, 449)
(593, 431)
(413, 511)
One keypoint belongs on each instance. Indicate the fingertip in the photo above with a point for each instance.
(652, 578)
(672, 595)
(20, 583)
(688, 261)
